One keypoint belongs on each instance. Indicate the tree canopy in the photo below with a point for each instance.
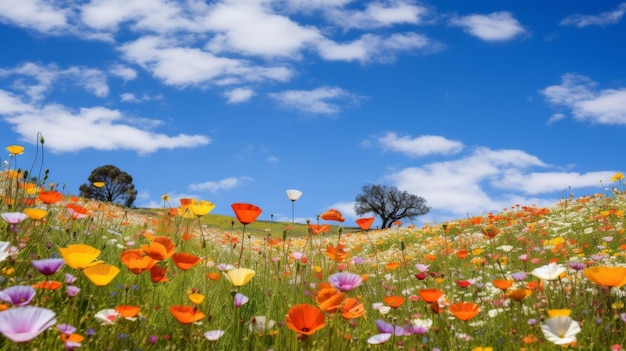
(389, 203)
(110, 184)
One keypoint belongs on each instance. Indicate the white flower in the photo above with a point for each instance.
(379, 338)
(214, 335)
(260, 325)
(4, 250)
(107, 316)
(551, 271)
(561, 330)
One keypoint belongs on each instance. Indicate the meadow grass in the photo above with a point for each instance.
(518, 269)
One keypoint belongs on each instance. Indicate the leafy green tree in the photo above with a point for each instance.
(110, 184)
(389, 203)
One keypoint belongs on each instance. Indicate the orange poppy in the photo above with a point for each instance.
(305, 319)
(48, 285)
(606, 276)
(464, 310)
(502, 284)
(318, 228)
(329, 299)
(430, 295)
(430, 257)
(184, 260)
(136, 261)
(490, 232)
(77, 211)
(127, 311)
(157, 274)
(365, 223)
(332, 215)
(160, 248)
(392, 265)
(352, 308)
(246, 213)
(461, 254)
(518, 294)
(336, 254)
(50, 197)
(394, 301)
(186, 314)
(75, 338)
(213, 275)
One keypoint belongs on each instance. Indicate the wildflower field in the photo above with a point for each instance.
(82, 274)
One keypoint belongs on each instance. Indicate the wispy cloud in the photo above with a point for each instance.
(239, 95)
(315, 101)
(587, 103)
(423, 145)
(222, 184)
(494, 27)
(601, 19)
(377, 14)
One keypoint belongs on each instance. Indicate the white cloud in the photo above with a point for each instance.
(423, 145)
(124, 72)
(601, 19)
(130, 97)
(497, 26)
(36, 14)
(239, 95)
(312, 101)
(223, 184)
(37, 80)
(249, 27)
(546, 182)
(458, 186)
(184, 66)
(371, 47)
(88, 128)
(579, 94)
(556, 117)
(377, 14)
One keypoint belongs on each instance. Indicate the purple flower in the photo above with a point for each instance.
(72, 290)
(48, 266)
(19, 295)
(13, 218)
(69, 279)
(384, 327)
(577, 266)
(22, 324)
(66, 328)
(345, 281)
(519, 276)
(240, 299)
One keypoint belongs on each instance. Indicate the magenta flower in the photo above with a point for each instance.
(18, 295)
(69, 279)
(345, 281)
(48, 266)
(72, 290)
(22, 324)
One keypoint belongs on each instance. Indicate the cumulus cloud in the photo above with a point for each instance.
(99, 128)
(222, 184)
(463, 186)
(586, 102)
(40, 15)
(124, 72)
(494, 27)
(601, 19)
(239, 95)
(312, 101)
(423, 145)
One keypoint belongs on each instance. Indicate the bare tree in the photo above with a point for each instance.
(389, 203)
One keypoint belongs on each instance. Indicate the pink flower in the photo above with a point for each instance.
(22, 324)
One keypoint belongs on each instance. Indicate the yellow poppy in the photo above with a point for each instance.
(239, 276)
(196, 298)
(202, 208)
(15, 149)
(101, 274)
(79, 256)
(556, 313)
(98, 184)
(35, 213)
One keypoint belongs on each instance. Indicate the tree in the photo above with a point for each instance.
(389, 203)
(109, 183)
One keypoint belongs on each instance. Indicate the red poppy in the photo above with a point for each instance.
(184, 260)
(305, 319)
(332, 215)
(246, 213)
(463, 283)
(318, 228)
(461, 254)
(394, 301)
(77, 211)
(157, 274)
(365, 223)
(48, 285)
(186, 314)
(50, 197)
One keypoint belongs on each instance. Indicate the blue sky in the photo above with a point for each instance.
(474, 105)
